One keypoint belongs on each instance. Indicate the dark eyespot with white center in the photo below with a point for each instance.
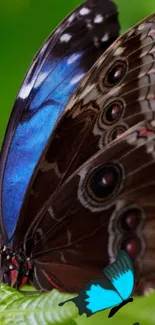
(116, 132)
(115, 74)
(112, 112)
(104, 182)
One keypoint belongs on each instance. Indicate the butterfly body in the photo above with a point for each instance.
(114, 310)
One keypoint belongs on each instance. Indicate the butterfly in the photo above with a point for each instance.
(101, 294)
(90, 193)
(53, 77)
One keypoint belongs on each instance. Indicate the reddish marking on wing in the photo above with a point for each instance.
(145, 132)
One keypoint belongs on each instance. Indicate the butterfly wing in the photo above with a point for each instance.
(97, 295)
(74, 229)
(53, 76)
(98, 112)
(88, 215)
(121, 274)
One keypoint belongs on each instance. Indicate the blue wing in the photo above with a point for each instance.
(121, 275)
(97, 295)
(54, 75)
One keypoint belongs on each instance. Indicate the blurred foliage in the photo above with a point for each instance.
(132, 11)
(24, 25)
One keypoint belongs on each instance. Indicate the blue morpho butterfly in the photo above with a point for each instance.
(56, 70)
(73, 193)
(101, 294)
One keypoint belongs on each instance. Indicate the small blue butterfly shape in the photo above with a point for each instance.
(115, 291)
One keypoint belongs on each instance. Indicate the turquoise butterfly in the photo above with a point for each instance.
(115, 291)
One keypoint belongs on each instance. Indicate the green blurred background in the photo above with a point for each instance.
(24, 25)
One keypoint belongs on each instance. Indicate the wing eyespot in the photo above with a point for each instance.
(112, 112)
(103, 182)
(130, 219)
(116, 132)
(131, 245)
(116, 73)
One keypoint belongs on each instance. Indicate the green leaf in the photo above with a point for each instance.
(37, 309)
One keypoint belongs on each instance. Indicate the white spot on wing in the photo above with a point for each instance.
(113, 91)
(152, 51)
(40, 79)
(98, 19)
(152, 123)
(77, 78)
(141, 27)
(65, 38)
(86, 90)
(119, 51)
(73, 58)
(44, 47)
(132, 138)
(150, 148)
(84, 11)
(71, 18)
(130, 32)
(25, 90)
(58, 30)
(62, 257)
(89, 25)
(105, 38)
(51, 213)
